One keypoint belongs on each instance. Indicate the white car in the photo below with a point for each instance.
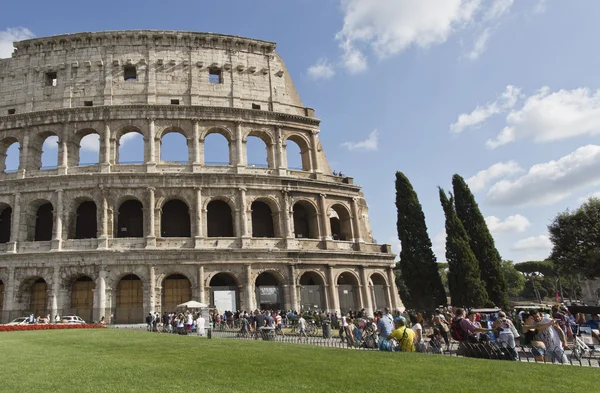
(19, 321)
(72, 319)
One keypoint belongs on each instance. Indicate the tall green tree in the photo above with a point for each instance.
(481, 242)
(464, 280)
(418, 264)
(515, 282)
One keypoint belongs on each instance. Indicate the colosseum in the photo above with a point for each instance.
(120, 239)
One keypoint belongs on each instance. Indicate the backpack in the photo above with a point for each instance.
(456, 331)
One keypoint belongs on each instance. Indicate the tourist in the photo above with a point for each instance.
(417, 328)
(550, 333)
(302, 326)
(385, 325)
(507, 334)
(404, 337)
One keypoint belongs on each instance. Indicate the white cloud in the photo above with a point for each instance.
(584, 199)
(541, 242)
(540, 6)
(515, 223)
(496, 171)
(479, 46)
(50, 143)
(91, 143)
(552, 181)
(547, 116)
(499, 8)
(129, 137)
(371, 143)
(439, 245)
(321, 70)
(504, 102)
(10, 35)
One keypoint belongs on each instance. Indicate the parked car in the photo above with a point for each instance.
(19, 321)
(71, 319)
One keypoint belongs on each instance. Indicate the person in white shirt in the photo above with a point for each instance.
(302, 326)
(418, 329)
(200, 321)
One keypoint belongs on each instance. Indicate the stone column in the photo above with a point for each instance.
(100, 306)
(9, 297)
(199, 235)
(63, 150)
(396, 303)
(197, 163)
(151, 160)
(105, 159)
(325, 232)
(314, 152)
(15, 224)
(151, 289)
(239, 157)
(249, 288)
(55, 292)
(279, 161)
(103, 240)
(243, 214)
(24, 155)
(334, 305)
(295, 304)
(367, 300)
(151, 238)
(286, 216)
(58, 219)
(201, 288)
(355, 221)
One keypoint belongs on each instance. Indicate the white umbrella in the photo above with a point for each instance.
(192, 304)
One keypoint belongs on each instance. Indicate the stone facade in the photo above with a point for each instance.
(68, 237)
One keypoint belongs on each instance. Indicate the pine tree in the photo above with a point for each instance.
(466, 287)
(481, 242)
(418, 264)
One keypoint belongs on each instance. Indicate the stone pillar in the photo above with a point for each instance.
(279, 161)
(151, 237)
(103, 240)
(197, 163)
(249, 288)
(151, 289)
(151, 159)
(243, 206)
(355, 221)
(9, 297)
(199, 235)
(24, 155)
(325, 232)
(100, 304)
(367, 300)
(286, 216)
(63, 150)
(396, 303)
(295, 304)
(105, 159)
(15, 224)
(239, 157)
(55, 292)
(314, 151)
(201, 288)
(334, 305)
(58, 219)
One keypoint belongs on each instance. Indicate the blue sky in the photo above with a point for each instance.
(390, 80)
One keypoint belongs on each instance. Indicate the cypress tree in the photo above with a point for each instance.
(481, 242)
(466, 287)
(418, 264)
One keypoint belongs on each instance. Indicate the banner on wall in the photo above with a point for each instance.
(225, 300)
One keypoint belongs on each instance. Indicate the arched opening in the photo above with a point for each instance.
(257, 154)
(176, 290)
(262, 220)
(9, 155)
(131, 219)
(130, 148)
(89, 150)
(5, 224)
(49, 153)
(82, 298)
(216, 150)
(85, 221)
(297, 153)
(312, 293)
(378, 292)
(219, 219)
(269, 294)
(175, 219)
(224, 293)
(39, 298)
(130, 298)
(305, 221)
(173, 148)
(44, 223)
(340, 223)
(1, 295)
(348, 292)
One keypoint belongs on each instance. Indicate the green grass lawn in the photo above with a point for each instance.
(107, 360)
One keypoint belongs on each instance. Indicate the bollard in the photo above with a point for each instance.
(209, 333)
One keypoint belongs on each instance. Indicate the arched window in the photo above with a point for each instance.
(9, 155)
(219, 219)
(216, 150)
(379, 290)
(86, 223)
(5, 223)
(340, 223)
(176, 290)
(39, 297)
(262, 220)
(305, 221)
(89, 150)
(44, 223)
(347, 292)
(256, 152)
(82, 298)
(131, 148)
(312, 295)
(49, 153)
(130, 300)
(175, 219)
(297, 153)
(224, 292)
(269, 295)
(131, 219)
(173, 148)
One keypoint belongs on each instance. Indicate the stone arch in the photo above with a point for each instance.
(312, 290)
(269, 290)
(36, 150)
(122, 132)
(180, 145)
(305, 151)
(80, 291)
(5, 223)
(263, 219)
(378, 290)
(33, 295)
(7, 144)
(340, 222)
(305, 219)
(130, 218)
(2, 296)
(219, 218)
(40, 220)
(129, 299)
(254, 158)
(176, 289)
(348, 284)
(228, 135)
(224, 290)
(175, 219)
(84, 218)
(75, 147)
